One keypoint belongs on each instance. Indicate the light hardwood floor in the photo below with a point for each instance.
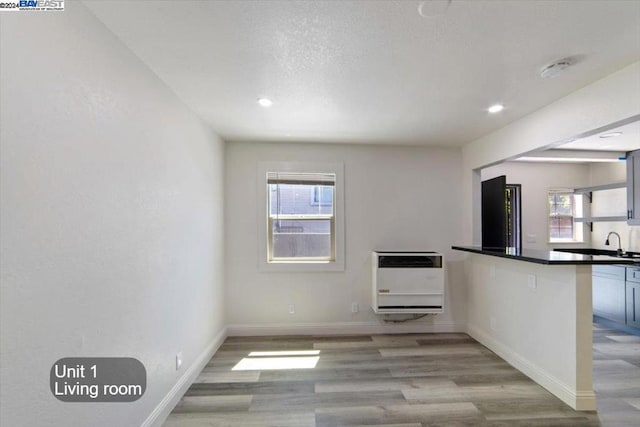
(616, 377)
(399, 380)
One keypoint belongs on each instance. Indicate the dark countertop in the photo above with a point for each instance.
(549, 257)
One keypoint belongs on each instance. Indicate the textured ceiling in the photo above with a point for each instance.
(371, 71)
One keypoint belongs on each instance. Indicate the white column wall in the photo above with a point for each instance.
(542, 328)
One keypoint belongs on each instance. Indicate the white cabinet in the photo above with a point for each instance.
(633, 297)
(616, 294)
(609, 300)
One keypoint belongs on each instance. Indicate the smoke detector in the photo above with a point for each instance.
(556, 68)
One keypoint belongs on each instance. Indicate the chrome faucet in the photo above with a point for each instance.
(606, 243)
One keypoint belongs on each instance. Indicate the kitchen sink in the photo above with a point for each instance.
(628, 255)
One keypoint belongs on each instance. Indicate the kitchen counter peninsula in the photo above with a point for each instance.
(533, 308)
(549, 257)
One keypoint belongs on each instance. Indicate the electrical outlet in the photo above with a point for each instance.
(292, 309)
(492, 323)
(354, 307)
(492, 271)
(531, 282)
(531, 238)
(178, 360)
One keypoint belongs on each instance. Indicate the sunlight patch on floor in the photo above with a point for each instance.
(278, 360)
(284, 353)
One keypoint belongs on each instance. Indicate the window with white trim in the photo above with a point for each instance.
(301, 212)
(564, 208)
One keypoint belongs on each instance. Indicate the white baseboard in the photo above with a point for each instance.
(578, 400)
(341, 328)
(166, 405)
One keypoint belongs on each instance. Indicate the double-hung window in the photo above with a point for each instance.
(301, 217)
(564, 208)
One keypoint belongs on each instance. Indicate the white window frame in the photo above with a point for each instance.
(316, 178)
(578, 209)
(301, 265)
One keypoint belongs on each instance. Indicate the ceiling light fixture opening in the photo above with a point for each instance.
(610, 135)
(495, 108)
(431, 8)
(265, 102)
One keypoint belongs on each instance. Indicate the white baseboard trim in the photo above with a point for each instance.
(577, 399)
(166, 405)
(341, 328)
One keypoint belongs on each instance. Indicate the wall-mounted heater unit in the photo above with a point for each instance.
(408, 282)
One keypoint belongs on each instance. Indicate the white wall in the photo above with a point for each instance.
(395, 198)
(536, 180)
(607, 173)
(111, 218)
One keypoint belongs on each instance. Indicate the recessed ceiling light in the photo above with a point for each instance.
(495, 108)
(610, 134)
(429, 8)
(265, 102)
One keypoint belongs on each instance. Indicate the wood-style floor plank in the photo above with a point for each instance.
(237, 419)
(405, 380)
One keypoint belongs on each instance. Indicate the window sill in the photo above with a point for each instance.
(301, 267)
(299, 262)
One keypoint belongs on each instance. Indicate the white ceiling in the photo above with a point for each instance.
(629, 140)
(593, 146)
(371, 71)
